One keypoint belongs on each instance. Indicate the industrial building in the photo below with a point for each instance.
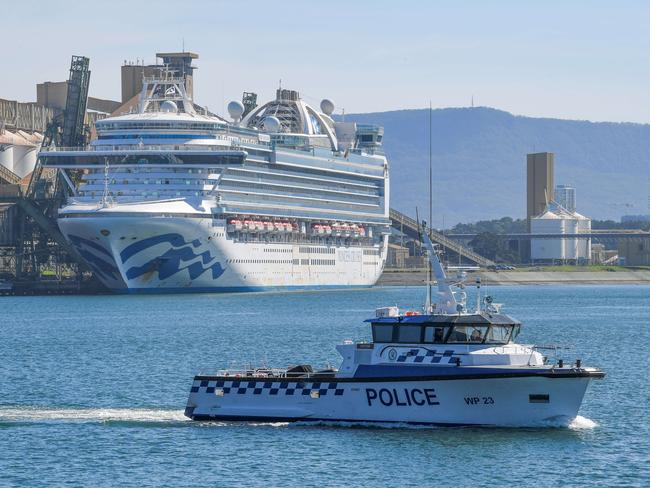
(568, 247)
(634, 252)
(552, 210)
(179, 63)
(539, 183)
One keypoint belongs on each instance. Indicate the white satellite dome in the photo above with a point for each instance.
(168, 106)
(271, 124)
(235, 109)
(327, 106)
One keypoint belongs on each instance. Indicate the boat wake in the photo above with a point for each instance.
(88, 415)
(578, 423)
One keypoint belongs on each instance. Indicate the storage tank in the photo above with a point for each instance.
(571, 244)
(584, 245)
(548, 249)
(19, 151)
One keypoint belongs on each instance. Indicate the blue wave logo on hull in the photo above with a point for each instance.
(170, 262)
(98, 258)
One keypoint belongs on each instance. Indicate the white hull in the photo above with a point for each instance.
(149, 254)
(485, 401)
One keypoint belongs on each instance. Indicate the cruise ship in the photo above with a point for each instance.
(172, 198)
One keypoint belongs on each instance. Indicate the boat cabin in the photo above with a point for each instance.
(480, 328)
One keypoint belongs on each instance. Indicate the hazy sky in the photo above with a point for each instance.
(580, 59)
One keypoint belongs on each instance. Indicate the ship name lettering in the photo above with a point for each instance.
(405, 397)
(479, 400)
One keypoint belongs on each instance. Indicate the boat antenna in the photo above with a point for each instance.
(430, 202)
(428, 303)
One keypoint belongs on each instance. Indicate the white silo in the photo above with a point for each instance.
(19, 151)
(548, 249)
(584, 245)
(571, 244)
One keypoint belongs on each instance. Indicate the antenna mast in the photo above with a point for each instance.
(430, 200)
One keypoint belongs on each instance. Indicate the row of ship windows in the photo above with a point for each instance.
(166, 181)
(132, 193)
(371, 252)
(160, 169)
(157, 125)
(280, 186)
(287, 249)
(318, 250)
(313, 262)
(260, 261)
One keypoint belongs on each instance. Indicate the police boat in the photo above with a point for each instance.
(444, 366)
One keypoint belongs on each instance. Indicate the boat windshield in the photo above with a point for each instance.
(447, 333)
(468, 333)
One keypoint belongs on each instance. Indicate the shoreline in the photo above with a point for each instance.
(627, 277)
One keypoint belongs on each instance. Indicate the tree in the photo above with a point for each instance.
(493, 247)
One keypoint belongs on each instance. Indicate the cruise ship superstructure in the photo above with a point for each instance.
(173, 198)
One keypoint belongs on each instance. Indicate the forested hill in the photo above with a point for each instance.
(479, 158)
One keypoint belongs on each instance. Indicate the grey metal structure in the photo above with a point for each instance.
(75, 105)
(249, 100)
(24, 116)
(409, 227)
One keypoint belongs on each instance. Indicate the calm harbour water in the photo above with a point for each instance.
(92, 391)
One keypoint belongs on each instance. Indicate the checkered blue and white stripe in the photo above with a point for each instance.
(264, 386)
(422, 355)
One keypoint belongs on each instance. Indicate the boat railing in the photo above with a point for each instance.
(552, 354)
(237, 374)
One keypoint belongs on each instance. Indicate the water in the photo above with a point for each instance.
(92, 391)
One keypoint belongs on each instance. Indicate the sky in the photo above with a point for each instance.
(587, 60)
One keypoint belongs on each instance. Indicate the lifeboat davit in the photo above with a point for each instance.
(317, 229)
